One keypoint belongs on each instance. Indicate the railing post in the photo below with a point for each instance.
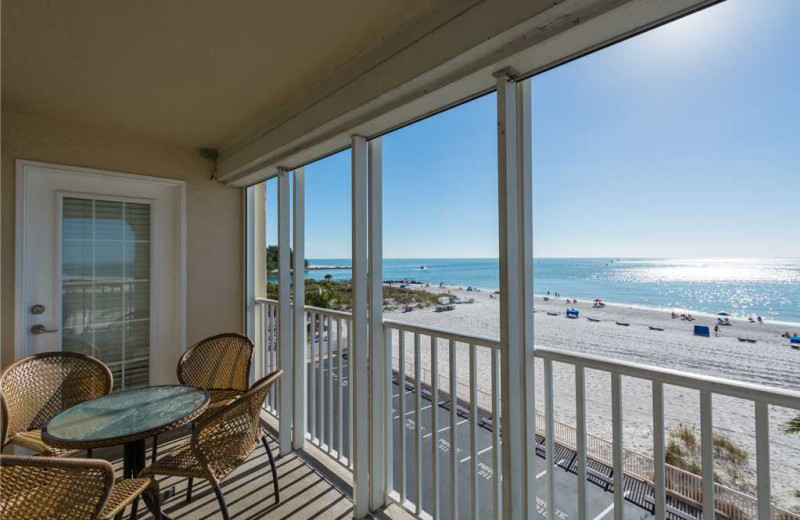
(379, 353)
(284, 316)
(259, 260)
(360, 334)
(516, 304)
(299, 311)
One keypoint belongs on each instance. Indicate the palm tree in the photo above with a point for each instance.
(793, 426)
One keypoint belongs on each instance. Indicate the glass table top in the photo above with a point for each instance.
(126, 414)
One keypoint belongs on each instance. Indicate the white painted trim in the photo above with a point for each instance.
(21, 245)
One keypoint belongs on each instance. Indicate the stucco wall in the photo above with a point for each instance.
(214, 213)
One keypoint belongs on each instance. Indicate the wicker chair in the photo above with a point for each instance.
(47, 488)
(37, 388)
(220, 442)
(219, 365)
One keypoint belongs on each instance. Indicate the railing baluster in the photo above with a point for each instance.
(473, 427)
(350, 393)
(320, 381)
(762, 461)
(659, 476)
(580, 437)
(618, 467)
(402, 406)
(453, 436)
(497, 469)
(707, 454)
(418, 419)
(549, 421)
(329, 407)
(312, 391)
(435, 424)
(339, 411)
(262, 344)
(388, 415)
(271, 353)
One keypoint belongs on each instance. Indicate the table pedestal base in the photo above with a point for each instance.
(133, 462)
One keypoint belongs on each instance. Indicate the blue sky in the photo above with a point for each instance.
(681, 142)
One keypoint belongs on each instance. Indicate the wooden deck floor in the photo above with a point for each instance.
(307, 492)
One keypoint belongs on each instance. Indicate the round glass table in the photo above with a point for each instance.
(127, 418)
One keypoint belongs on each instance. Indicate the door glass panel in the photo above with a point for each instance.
(105, 296)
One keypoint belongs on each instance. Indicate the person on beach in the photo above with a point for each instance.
(716, 330)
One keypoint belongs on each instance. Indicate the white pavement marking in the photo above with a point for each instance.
(412, 411)
(484, 450)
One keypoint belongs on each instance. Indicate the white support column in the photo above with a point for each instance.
(298, 317)
(249, 322)
(259, 256)
(516, 303)
(377, 352)
(284, 315)
(360, 334)
(525, 162)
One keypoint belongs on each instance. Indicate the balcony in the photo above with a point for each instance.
(424, 455)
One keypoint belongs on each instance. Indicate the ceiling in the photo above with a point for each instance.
(189, 72)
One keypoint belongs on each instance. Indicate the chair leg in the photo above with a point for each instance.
(222, 505)
(274, 469)
(155, 449)
(189, 490)
(156, 506)
(135, 507)
(119, 515)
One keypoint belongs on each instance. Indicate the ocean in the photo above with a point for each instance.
(768, 287)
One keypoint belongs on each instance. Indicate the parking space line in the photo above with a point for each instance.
(484, 450)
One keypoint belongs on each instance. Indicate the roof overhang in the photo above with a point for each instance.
(392, 93)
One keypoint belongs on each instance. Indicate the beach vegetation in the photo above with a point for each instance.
(272, 258)
(726, 449)
(683, 451)
(338, 295)
(793, 426)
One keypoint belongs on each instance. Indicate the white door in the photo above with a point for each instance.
(100, 269)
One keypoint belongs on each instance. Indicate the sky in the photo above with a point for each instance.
(680, 142)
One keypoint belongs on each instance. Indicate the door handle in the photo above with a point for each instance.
(40, 329)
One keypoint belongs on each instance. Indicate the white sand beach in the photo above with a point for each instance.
(770, 361)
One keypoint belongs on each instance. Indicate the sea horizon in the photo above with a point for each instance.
(767, 287)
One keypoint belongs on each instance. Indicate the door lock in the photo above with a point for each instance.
(38, 329)
(38, 309)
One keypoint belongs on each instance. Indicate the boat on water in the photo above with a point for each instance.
(422, 267)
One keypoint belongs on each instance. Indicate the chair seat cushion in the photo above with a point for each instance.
(122, 494)
(32, 440)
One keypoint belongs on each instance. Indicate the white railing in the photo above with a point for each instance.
(329, 423)
(426, 363)
(432, 359)
(700, 490)
(266, 351)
